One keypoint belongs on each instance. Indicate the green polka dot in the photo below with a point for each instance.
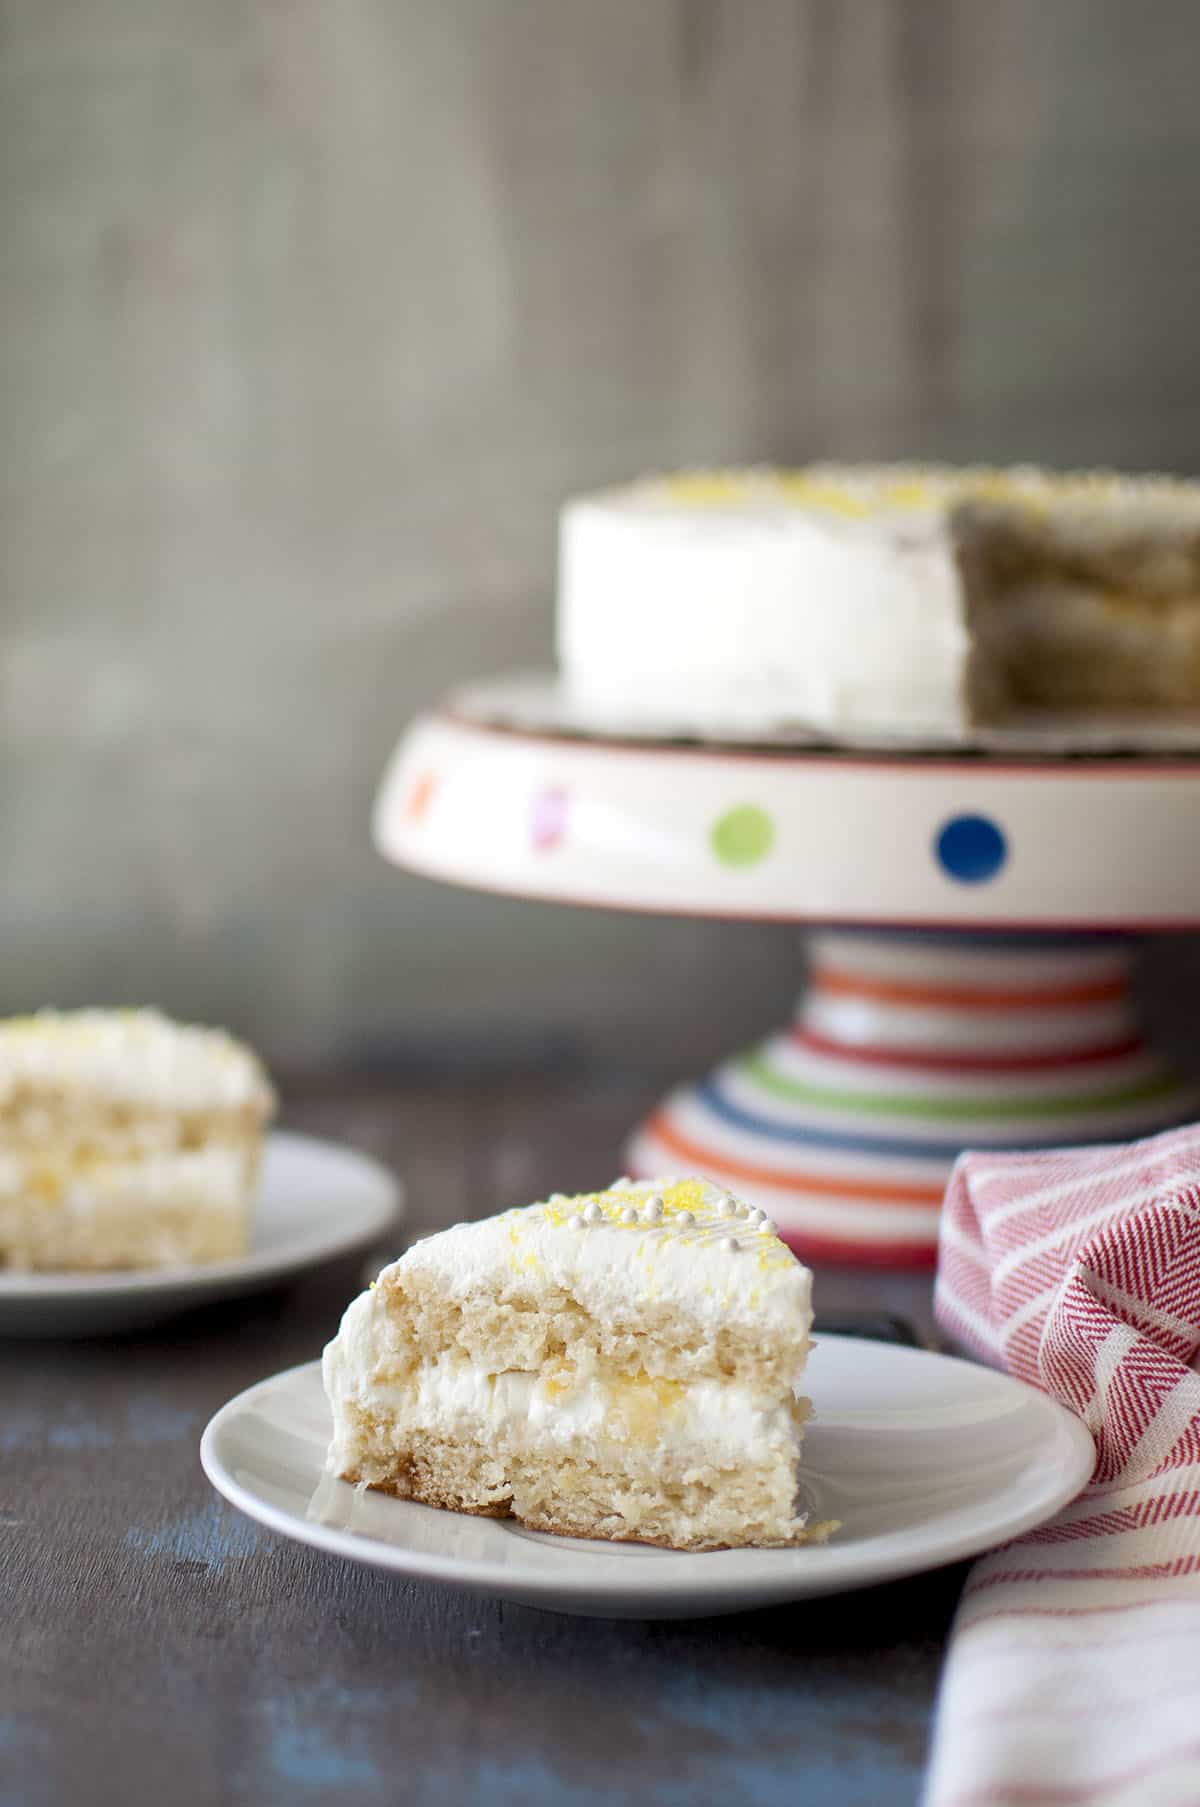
(742, 836)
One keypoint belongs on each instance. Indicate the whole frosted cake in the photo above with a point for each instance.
(913, 598)
(622, 1364)
(126, 1140)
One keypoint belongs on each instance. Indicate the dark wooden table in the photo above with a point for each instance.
(155, 1647)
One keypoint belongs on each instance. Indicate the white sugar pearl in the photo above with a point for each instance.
(727, 1208)
(652, 1210)
(685, 1220)
(755, 1220)
(629, 1214)
(623, 1184)
(729, 1244)
(575, 1223)
(592, 1213)
(767, 1227)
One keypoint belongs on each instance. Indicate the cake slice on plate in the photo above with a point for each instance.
(126, 1141)
(622, 1364)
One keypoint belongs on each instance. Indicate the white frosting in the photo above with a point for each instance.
(137, 1058)
(760, 608)
(680, 1258)
(830, 597)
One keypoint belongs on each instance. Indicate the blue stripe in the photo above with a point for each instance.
(894, 1148)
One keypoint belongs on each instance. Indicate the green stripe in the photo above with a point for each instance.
(982, 1110)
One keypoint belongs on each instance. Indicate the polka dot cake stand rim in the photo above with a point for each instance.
(969, 981)
(970, 842)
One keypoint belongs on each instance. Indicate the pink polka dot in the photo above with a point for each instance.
(548, 819)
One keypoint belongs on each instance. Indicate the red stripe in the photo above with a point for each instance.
(833, 981)
(1145, 1571)
(1039, 1646)
(1103, 1524)
(1044, 1794)
(972, 1619)
(1161, 1508)
(877, 1192)
(942, 1062)
(1053, 1709)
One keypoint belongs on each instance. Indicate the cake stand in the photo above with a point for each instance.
(975, 917)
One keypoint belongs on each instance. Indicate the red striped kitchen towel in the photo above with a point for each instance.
(1073, 1678)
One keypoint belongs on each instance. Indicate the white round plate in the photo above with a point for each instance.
(923, 1458)
(316, 1201)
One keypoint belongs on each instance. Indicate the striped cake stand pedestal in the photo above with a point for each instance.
(973, 923)
(904, 1050)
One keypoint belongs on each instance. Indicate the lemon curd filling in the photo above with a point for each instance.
(637, 1408)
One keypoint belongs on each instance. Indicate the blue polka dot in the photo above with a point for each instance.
(971, 849)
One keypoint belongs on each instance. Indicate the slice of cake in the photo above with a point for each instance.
(885, 597)
(126, 1141)
(621, 1365)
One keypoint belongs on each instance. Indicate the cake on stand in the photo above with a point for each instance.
(974, 918)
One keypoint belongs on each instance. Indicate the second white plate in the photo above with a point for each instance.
(316, 1201)
(923, 1458)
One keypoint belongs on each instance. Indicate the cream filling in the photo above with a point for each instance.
(456, 1398)
(196, 1178)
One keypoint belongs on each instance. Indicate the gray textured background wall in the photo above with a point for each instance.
(313, 310)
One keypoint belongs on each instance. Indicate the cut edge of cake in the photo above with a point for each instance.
(127, 1141)
(621, 1364)
(902, 596)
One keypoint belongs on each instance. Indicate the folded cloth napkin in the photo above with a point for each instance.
(1073, 1677)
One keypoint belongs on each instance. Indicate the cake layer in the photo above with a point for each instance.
(37, 1120)
(622, 1495)
(694, 1291)
(888, 597)
(159, 1210)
